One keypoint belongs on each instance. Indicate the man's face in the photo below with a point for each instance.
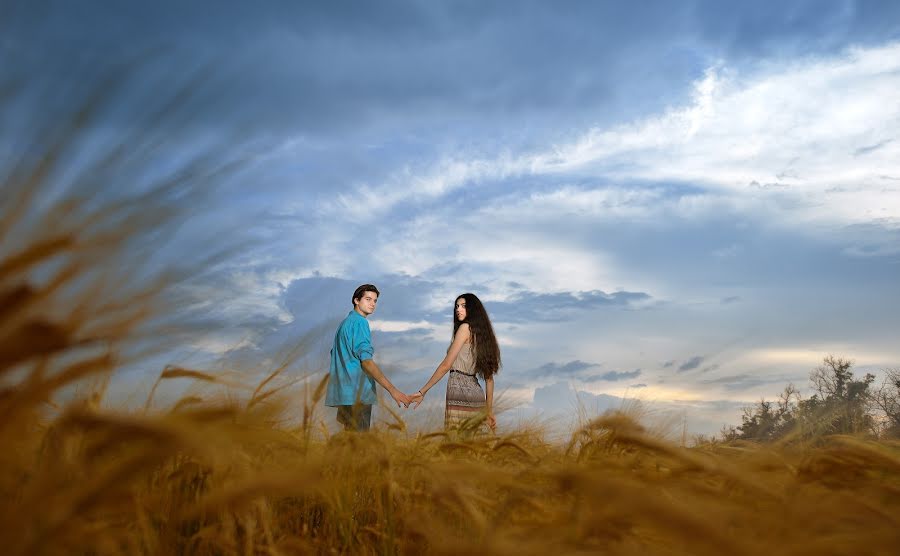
(365, 305)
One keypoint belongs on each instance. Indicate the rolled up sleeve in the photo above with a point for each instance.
(362, 344)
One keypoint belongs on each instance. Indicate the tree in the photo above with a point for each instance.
(840, 403)
(887, 400)
(767, 421)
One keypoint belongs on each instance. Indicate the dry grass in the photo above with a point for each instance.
(233, 477)
(207, 477)
(221, 480)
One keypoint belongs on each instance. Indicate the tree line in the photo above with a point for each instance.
(840, 404)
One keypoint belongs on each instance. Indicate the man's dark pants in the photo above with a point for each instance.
(357, 417)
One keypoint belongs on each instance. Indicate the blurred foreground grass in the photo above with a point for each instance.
(222, 479)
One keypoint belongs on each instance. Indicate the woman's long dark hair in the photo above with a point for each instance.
(487, 352)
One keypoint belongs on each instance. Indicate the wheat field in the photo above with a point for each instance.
(261, 474)
(226, 479)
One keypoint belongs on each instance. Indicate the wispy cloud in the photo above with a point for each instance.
(871, 148)
(614, 376)
(800, 126)
(554, 370)
(743, 382)
(399, 325)
(691, 363)
(533, 306)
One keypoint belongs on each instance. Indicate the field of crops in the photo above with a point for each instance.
(226, 478)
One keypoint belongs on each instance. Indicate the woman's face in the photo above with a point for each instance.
(461, 309)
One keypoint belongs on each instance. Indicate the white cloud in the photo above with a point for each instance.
(399, 326)
(493, 249)
(808, 146)
(820, 133)
(824, 129)
(368, 201)
(220, 342)
(727, 252)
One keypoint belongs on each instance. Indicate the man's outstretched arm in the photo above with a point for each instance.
(369, 366)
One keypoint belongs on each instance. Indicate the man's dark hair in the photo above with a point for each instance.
(361, 291)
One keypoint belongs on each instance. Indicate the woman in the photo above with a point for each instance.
(473, 351)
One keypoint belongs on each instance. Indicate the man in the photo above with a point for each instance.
(351, 387)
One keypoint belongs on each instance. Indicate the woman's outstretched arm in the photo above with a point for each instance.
(489, 402)
(461, 337)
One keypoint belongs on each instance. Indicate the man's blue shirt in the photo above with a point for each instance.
(352, 345)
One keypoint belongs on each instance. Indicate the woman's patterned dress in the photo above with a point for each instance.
(465, 397)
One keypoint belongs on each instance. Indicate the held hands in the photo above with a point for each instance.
(406, 399)
(400, 398)
(417, 398)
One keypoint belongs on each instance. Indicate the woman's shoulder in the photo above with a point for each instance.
(464, 331)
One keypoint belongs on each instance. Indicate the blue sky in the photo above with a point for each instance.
(689, 203)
